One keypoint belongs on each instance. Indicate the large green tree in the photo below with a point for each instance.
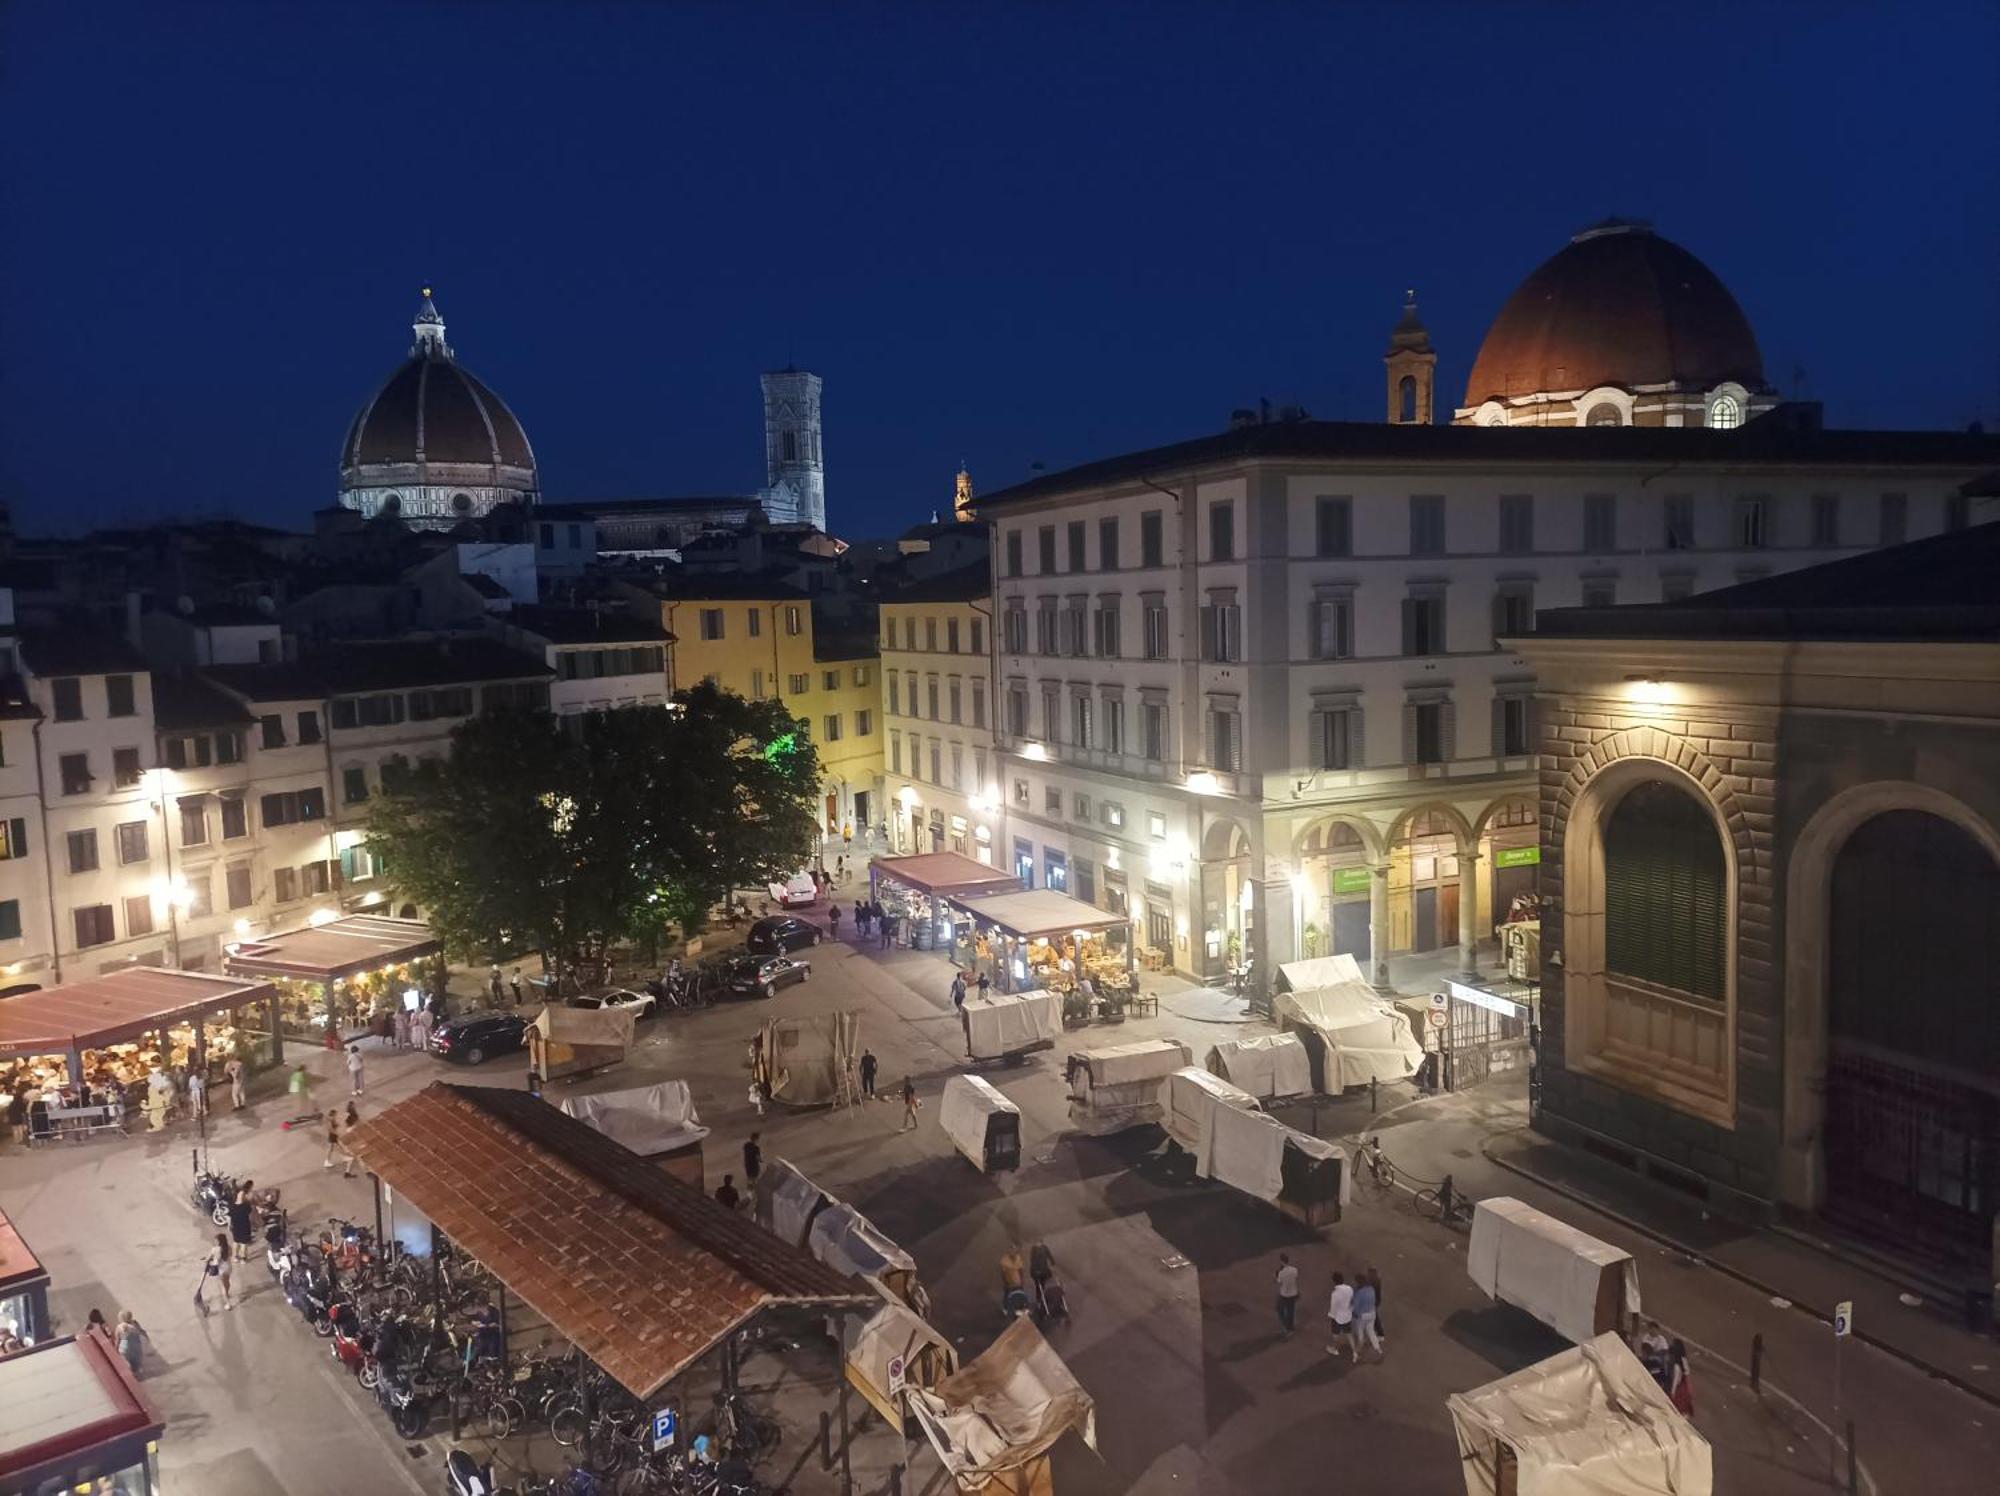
(567, 838)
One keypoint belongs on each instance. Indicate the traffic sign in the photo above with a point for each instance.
(1438, 1018)
(1439, 1000)
(895, 1375)
(1843, 1319)
(666, 1427)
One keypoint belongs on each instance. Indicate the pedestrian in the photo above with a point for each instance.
(94, 1324)
(131, 1338)
(1364, 1318)
(300, 1087)
(234, 1070)
(753, 1160)
(514, 982)
(1041, 1268)
(1652, 1349)
(1680, 1386)
(833, 920)
(1340, 1316)
(354, 1068)
(1013, 1296)
(332, 1138)
(1375, 1282)
(757, 1094)
(1288, 1295)
(402, 1028)
(215, 1266)
(240, 1213)
(421, 1025)
(958, 991)
(725, 1192)
(197, 1092)
(868, 1073)
(888, 928)
(493, 984)
(909, 1106)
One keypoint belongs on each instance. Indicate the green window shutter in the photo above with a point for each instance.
(1665, 921)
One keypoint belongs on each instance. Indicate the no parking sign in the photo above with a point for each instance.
(895, 1375)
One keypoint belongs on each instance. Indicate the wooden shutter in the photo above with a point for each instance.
(1447, 732)
(1409, 728)
(1320, 756)
(1499, 727)
(17, 838)
(1664, 885)
(1410, 605)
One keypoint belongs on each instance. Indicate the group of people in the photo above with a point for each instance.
(400, 1028)
(1353, 1311)
(1667, 1360)
(1038, 1268)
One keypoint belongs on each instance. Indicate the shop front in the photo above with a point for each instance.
(917, 890)
(1040, 939)
(1333, 860)
(75, 1419)
(344, 976)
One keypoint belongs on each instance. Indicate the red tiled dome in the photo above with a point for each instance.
(1618, 305)
(433, 410)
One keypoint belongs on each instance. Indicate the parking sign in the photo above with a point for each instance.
(666, 1425)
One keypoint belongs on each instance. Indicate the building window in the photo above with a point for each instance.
(1020, 792)
(829, 680)
(1045, 549)
(930, 635)
(13, 839)
(1156, 825)
(1107, 543)
(1107, 628)
(1013, 553)
(1423, 625)
(1513, 726)
(794, 618)
(82, 851)
(119, 698)
(953, 699)
(236, 886)
(1086, 881)
(1017, 713)
(284, 884)
(1517, 524)
(757, 685)
(1113, 813)
(125, 770)
(1677, 509)
(711, 624)
(74, 771)
(1330, 628)
(1152, 539)
(94, 925)
(1052, 800)
(895, 753)
(1604, 414)
(1014, 630)
(308, 727)
(272, 729)
(1077, 531)
(139, 915)
(1600, 523)
(931, 698)
(1156, 630)
(235, 818)
(1222, 629)
(978, 636)
(314, 877)
(132, 842)
(200, 894)
(830, 728)
(1427, 729)
(1153, 731)
(354, 785)
(979, 702)
(1113, 725)
(860, 675)
(1895, 519)
(864, 723)
(1665, 919)
(1600, 592)
(1333, 526)
(753, 619)
(1427, 525)
(1753, 521)
(1826, 519)
(1513, 611)
(1725, 413)
(1225, 740)
(68, 696)
(798, 684)
(1057, 865)
(293, 807)
(1080, 723)
(1074, 629)
(1222, 531)
(895, 694)
(1045, 627)
(1335, 733)
(10, 919)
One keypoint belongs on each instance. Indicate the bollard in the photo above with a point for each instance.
(825, 1441)
(1372, 1085)
(895, 1480)
(1757, 1364)
(1853, 1465)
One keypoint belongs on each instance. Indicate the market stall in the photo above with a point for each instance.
(1351, 1033)
(993, 1422)
(345, 975)
(76, 1419)
(917, 892)
(1190, 1099)
(1575, 1284)
(890, 1352)
(656, 1122)
(1269, 1067)
(848, 1242)
(1587, 1421)
(24, 1286)
(785, 1202)
(1119, 1086)
(981, 1123)
(808, 1060)
(1039, 938)
(1008, 1025)
(567, 1042)
(86, 1055)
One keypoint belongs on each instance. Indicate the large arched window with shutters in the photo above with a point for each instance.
(1665, 885)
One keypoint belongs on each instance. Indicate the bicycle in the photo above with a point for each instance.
(1375, 1165)
(1444, 1204)
(743, 1431)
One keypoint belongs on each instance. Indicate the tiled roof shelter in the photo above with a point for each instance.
(944, 874)
(644, 1274)
(339, 948)
(93, 1011)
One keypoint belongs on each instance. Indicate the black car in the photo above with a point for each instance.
(762, 976)
(779, 934)
(474, 1038)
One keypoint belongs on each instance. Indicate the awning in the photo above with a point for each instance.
(1005, 1408)
(20, 1268)
(118, 1005)
(944, 874)
(1320, 971)
(67, 1406)
(1040, 912)
(337, 949)
(643, 1273)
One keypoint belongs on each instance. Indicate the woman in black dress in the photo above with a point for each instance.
(240, 1214)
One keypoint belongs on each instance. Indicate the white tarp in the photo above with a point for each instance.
(1365, 1036)
(787, 1201)
(1535, 1262)
(1248, 1152)
(848, 1242)
(1320, 971)
(809, 1061)
(1268, 1066)
(1005, 1407)
(1191, 1098)
(1590, 1421)
(1006, 1023)
(894, 1333)
(966, 1112)
(1120, 1086)
(609, 1028)
(646, 1119)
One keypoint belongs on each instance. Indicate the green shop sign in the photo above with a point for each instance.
(1517, 856)
(1350, 880)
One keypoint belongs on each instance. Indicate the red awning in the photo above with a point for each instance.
(118, 1005)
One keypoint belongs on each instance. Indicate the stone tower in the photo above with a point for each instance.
(794, 468)
(1412, 366)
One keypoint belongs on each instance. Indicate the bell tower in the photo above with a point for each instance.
(1412, 368)
(794, 470)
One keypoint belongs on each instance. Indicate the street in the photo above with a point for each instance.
(1170, 1280)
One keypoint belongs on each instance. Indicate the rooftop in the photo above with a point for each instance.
(713, 587)
(587, 508)
(79, 651)
(587, 626)
(962, 584)
(188, 703)
(338, 948)
(104, 1009)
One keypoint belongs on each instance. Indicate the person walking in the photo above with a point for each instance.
(332, 1138)
(757, 1097)
(514, 982)
(1340, 1316)
(493, 985)
(833, 920)
(130, 1337)
(215, 1267)
(421, 1024)
(1364, 1318)
(300, 1086)
(233, 1070)
(197, 1093)
(1375, 1282)
(726, 1194)
(351, 1121)
(240, 1214)
(985, 982)
(402, 1028)
(1680, 1386)
(1013, 1269)
(1041, 1268)
(753, 1160)
(354, 1069)
(868, 1063)
(909, 1106)
(958, 991)
(1288, 1295)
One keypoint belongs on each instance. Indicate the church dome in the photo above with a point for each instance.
(434, 444)
(1617, 306)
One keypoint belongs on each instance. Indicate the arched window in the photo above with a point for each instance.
(1406, 399)
(1604, 414)
(791, 447)
(1725, 412)
(1665, 918)
(393, 504)
(462, 503)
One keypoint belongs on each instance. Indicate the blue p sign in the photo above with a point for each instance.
(666, 1426)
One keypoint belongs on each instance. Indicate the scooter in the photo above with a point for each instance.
(353, 1346)
(465, 1476)
(407, 1409)
(211, 1195)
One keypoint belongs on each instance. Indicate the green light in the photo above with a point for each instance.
(780, 747)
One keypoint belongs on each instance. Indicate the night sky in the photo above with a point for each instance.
(1003, 234)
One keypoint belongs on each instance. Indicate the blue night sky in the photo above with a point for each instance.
(1002, 234)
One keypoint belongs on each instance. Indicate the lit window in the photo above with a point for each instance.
(1725, 412)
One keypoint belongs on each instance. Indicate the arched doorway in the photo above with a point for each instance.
(1225, 897)
(1512, 849)
(1424, 883)
(1334, 861)
(1913, 1034)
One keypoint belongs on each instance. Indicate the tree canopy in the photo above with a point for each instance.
(567, 836)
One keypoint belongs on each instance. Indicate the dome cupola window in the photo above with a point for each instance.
(1725, 412)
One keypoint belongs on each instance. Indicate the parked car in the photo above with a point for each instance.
(794, 892)
(623, 999)
(762, 976)
(474, 1038)
(779, 934)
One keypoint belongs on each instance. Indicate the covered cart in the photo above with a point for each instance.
(1572, 1282)
(1589, 1421)
(890, 1352)
(809, 1060)
(786, 1202)
(984, 1125)
(994, 1421)
(566, 1042)
(1008, 1025)
(656, 1122)
(848, 1242)
(1304, 1176)
(1269, 1067)
(1352, 1035)
(1119, 1086)
(1190, 1099)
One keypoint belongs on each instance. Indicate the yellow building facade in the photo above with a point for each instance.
(940, 770)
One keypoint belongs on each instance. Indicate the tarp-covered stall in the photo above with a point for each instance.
(984, 1125)
(1269, 1066)
(1190, 1100)
(1318, 971)
(1590, 1421)
(575, 1041)
(1304, 1176)
(656, 1122)
(848, 1242)
(786, 1202)
(1572, 1282)
(1003, 1025)
(1120, 1086)
(890, 1352)
(1350, 1033)
(994, 1421)
(809, 1060)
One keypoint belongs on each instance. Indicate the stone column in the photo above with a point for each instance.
(1378, 926)
(1468, 913)
(1274, 939)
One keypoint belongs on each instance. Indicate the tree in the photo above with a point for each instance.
(566, 837)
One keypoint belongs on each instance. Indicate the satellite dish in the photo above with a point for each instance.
(184, 606)
(267, 607)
